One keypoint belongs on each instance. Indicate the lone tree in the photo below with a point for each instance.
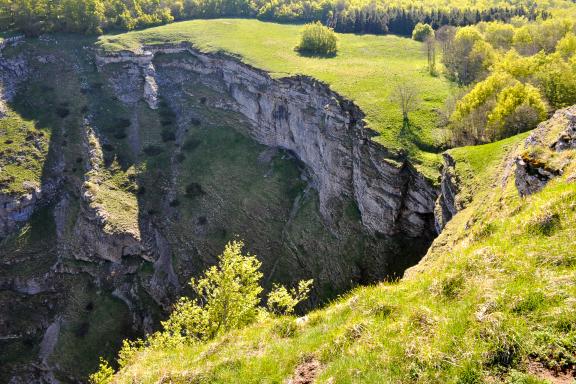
(422, 31)
(317, 39)
(407, 98)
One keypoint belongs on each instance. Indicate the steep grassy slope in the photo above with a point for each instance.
(366, 69)
(493, 301)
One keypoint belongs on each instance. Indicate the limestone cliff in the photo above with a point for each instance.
(446, 204)
(324, 130)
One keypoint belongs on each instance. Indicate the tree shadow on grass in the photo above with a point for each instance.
(410, 133)
(315, 55)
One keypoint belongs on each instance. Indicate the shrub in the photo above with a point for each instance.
(283, 301)
(227, 297)
(104, 374)
(567, 45)
(317, 39)
(422, 31)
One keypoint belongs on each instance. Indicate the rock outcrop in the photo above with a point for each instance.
(541, 160)
(323, 129)
(446, 204)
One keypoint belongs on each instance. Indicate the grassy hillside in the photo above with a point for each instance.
(493, 301)
(366, 69)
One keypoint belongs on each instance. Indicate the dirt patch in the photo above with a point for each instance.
(306, 372)
(553, 377)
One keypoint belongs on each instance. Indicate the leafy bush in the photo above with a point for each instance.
(317, 39)
(283, 301)
(104, 374)
(227, 297)
(422, 32)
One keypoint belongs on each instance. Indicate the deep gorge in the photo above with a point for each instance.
(155, 160)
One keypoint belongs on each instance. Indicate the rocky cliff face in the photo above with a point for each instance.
(324, 130)
(542, 158)
(446, 204)
(15, 208)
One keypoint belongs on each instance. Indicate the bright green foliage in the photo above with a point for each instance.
(567, 46)
(283, 301)
(482, 93)
(83, 16)
(530, 70)
(104, 375)
(497, 107)
(557, 79)
(543, 36)
(518, 108)
(422, 32)
(499, 35)
(468, 57)
(317, 39)
(469, 120)
(227, 297)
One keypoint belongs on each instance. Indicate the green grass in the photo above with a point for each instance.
(366, 69)
(23, 149)
(494, 294)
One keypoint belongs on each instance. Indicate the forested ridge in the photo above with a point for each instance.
(359, 16)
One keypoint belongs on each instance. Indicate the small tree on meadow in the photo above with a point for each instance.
(317, 39)
(282, 301)
(406, 96)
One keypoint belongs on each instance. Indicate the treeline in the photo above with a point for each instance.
(96, 16)
(514, 76)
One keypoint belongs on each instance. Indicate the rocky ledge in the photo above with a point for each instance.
(542, 158)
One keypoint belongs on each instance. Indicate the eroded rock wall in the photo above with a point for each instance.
(324, 130)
